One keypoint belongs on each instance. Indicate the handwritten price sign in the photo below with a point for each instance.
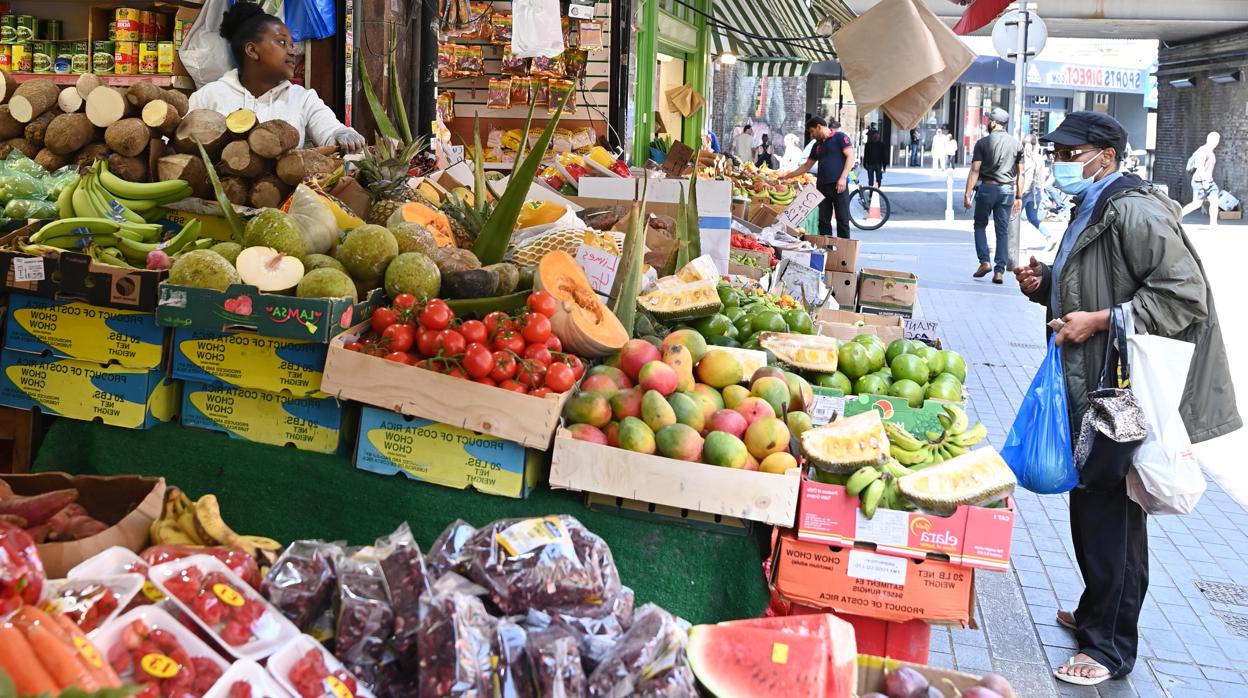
(807, 199)
(599, 266)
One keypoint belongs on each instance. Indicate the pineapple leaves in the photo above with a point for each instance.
(492, 242)
(524, 135)
(479, 191)
(227, 208)
(683, 247)
(628, 282)
(692, 229)
(396, 93)
(384, 124)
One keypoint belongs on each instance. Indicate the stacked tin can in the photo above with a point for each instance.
(139, 42)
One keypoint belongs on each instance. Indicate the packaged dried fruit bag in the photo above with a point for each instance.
(407, 577)
(454, 642)
(365, 617)
(301, 583)
(149, 648)
(447, 552)
(556, 658)
(21, 570)
(513, 672)
(648, 660)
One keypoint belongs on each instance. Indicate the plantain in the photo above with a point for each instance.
(909, 458)
(972, 436)
(894, 469)
(871, 497)
(899, 436)
(208, 521)
(958, 421)
(859, 481)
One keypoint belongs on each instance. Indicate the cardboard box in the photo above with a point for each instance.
(444, 455)
(77, 276)
(872, 670)
(83, 332)
(134, 398)
(842, 253)
(845, 325)
(972, 536)
(351, 375)
(916, 420)
(815, 259)
(888, 290)
(127, 503)
(307, 423)
(757, 496)
(754, 271)
(900, 314)
(764, 215)
(844, 287)
(242, 308)
(867, 583)
(235, 360)
(210, 225)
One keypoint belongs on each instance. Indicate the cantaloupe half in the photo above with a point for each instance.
(583, 323)
(435, 221)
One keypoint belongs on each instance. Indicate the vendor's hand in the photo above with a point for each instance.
(349, 142)
(1029, 277)
(1081, 325)
(966, 201)
(841, 185)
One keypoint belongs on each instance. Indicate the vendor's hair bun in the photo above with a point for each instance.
(240, 14)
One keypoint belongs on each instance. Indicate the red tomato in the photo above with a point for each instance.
(457, 372)
(450, 343)
(542, 302)
(513, 386)
(478, 361)
(353, 346)
(553, 343)
(399, 357)
(559, 377)
(403, 301)
(504, 366)
(541, 392)
(578, 366)
(398, 337)
(437, 315)
(383, 318)
(536, 328)
(474, 331)
(508, 340)
(485, 381)
(531, 374)
(494, 321)
(539, 353)
(426, 342)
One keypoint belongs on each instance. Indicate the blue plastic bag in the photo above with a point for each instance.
(1038, 448)
(311, 19)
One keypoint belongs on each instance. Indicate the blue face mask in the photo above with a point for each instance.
(1068, 176)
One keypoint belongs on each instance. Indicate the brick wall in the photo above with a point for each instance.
(1186, 115)
(779, 103)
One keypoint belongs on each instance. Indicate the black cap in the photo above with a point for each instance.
(1090, 127)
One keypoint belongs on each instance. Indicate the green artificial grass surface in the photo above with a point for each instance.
(286, 494)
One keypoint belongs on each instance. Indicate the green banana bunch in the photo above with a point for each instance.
(141, 196)
(101, 194)
(861, 479)
(136, 251)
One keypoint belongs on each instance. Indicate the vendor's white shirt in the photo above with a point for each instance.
(298, 106)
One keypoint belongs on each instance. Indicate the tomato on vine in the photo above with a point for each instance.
(450, 343)
(478, 361)
(475, 331)
(399, 337)
(437, 315)
(495, 321)
(559, 377)
(538, 353)
(542, 302)
(383, 318)
(508, 340)
(403, 301)
(504, 366)
(553, 343)
(425, 341)
(512, 386)
(536, 328)
(531, 374)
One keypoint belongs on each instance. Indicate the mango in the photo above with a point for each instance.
(679, 441)
(704, 402)
(725, 450)
(778, 463)
(690, 339)
(798, 422)
(755, 408)
(636, 436)
(584, 432)
(620, 378)
(600, 384)
(734, 395)
(766, 436)
(659, 377)
(588, 408)
(626, 403)
(612, 432)
(711, 393)
(774, 390)
(766, 372)
(720, 369)
(687, 410)
(656, 411)
(801, 395)
(637, 353)
(681, 361)
(729, 422)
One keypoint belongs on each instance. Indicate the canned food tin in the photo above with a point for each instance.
(147, 58)
(102, 56)
(23, 58)
(50, 29)
(162, 26)
(6, 57)
(126, 57)
(63, 63)
(127, 13)
(8, 28)
(149, 26)
(164, 57)
(27, 26)
(127, 30)
(112, 31)
(81, 59)
(44, 56)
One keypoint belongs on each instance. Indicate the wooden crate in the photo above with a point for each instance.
(646, 511)
(17, 437)
(351, 375)
(756, 496)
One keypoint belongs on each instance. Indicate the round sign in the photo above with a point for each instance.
(1005, 34)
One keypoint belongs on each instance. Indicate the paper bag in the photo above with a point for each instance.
(886, 51)
(908, 108)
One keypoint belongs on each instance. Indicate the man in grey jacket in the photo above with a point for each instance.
(1124, 247)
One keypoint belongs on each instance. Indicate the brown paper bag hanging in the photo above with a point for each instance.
(685, 100)
(908, 108)
(886, 51)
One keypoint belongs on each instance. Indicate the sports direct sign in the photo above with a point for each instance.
(1092, 78)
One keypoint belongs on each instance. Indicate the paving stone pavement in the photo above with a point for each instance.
(1188, 645)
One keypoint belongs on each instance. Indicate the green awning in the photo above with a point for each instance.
(773, 38)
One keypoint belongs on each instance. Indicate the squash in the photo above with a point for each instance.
(978, 477)
(810, 352)
(847, 444)
(683, 301)
(435, 221)
(582, 322)
(539, 213)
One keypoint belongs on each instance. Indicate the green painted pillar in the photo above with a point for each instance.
(643, 90)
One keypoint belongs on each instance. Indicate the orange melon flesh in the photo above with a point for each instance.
(435, 221)
(583, 323)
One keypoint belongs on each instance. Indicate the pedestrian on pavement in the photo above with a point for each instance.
(940, 144)
(1124, 247)
(793, 153)
(763, 156)
(710, 141)
(951, 148)
(916, 148)
(995, 186)
(1201, 164)
(743, 145)
(875, 158)
(833, 153)
(1034, 176)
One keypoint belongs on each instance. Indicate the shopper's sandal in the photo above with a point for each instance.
(1066, 619)
(1099, 675)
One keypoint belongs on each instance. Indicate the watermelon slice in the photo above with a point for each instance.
(843, 646)
(733, 661)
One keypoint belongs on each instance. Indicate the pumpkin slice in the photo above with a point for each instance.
(975, 478)
(435, 222)
(583, 323)
(811, 352)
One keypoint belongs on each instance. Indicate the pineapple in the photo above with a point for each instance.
(466, 220)
(383, 170)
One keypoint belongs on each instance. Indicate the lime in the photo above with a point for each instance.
(769, 321)
(955, 364)
(867, 340)
(936, 362)
(886, 377)
(799, 321)
(727, 296)
(875, 354)
(751, 343)
(716, 325)
(910, 367)
(835, 380)
(723, 341)
(732, 332)
(734, 312)
(947, 390)
(910, 391)
(897, 348)
(744, 325)
(870, 385)
(853, 361)
(925, 351)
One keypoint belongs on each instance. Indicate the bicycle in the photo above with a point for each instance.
(860, 198)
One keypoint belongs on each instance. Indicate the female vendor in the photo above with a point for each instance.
(265, 55)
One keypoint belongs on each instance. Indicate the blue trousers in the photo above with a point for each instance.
(993, 200)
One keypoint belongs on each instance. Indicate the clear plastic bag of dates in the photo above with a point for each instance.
(513, 671)
(301, 583)
(447, 552)
(404, 570)
(365, 617)
(556, 657)
(649, 660)
(454, 641)
(544, 563)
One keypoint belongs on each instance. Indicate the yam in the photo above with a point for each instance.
(240, 121)
(51, 161)
(297, 164)
(186, 167)
(142, 92)
(205, 125)
(237, 190)
(86, 83)
(178, 100)
(9, 127)
(161, 116)
(34, 131)
(106, 106)
(23, 146)
(68, 133)
(238, 159)
(273, 138)
(128, 168)
(7, 86)
(155, 151)
(128, 137)
(33, 98)
(89, 154)
(268, 192)
(70, 100)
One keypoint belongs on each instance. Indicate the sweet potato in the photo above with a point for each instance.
(12, 520)
(19, 661)
(38, 508)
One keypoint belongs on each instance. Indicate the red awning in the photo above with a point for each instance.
(978, 15)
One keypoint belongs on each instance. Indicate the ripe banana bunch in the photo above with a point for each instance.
(877, 486)
(955, 438)
(199, 523)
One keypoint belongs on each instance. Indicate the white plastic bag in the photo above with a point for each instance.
(1166, 477)
(536, 28)
(204, 52)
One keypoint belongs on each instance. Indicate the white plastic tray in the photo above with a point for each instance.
(157, 619)
(252, 674)
(117, 560)
(123, 586)
(283, 660)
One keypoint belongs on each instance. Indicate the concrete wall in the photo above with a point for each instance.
(1186, 115)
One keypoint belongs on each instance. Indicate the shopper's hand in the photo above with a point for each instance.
(1081, 325)
(966, 201)
(349, 142)
(1029, 277)
(1016, 208)
(841, 185)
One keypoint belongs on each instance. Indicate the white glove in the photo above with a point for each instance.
(349, 141)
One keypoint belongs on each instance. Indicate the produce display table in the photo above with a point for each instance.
(705, 577)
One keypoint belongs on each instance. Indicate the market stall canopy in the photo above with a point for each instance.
(779, 38)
